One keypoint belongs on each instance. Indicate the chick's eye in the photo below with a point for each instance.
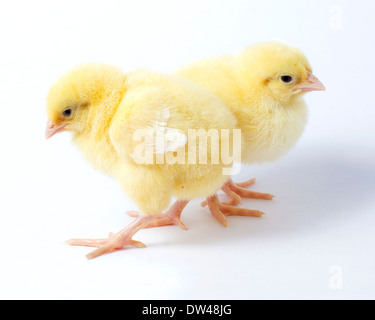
(286, 78)
(67, 112)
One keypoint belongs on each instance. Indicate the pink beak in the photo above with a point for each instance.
(52, 129)
(311, 84)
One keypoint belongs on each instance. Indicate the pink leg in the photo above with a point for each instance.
(220, 211)
(171, 217)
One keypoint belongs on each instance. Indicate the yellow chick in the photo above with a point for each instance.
(263, 86)
(135, 128)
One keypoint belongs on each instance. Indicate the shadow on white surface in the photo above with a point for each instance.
(314, 191)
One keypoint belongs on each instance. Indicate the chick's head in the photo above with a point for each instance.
(80, 94)
(280, 71)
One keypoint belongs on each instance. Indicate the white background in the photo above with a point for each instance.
(323, 215)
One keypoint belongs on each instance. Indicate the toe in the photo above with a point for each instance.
(204, 204)
(98, 252)
(246, 184)
(179, 223)
(235, 211)
(137, 244)
(134, 214)
(87, 242)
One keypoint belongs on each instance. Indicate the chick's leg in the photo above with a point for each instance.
(220, 210)
(171, 217)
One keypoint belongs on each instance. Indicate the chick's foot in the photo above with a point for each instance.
(237, 191)
(124, 237)
(115, 241)
(170, 217)
(220, 210)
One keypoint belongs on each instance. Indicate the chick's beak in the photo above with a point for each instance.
(311, 84)
(52, 129)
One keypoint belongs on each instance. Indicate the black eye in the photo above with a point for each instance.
(286, 79)
(67, 112)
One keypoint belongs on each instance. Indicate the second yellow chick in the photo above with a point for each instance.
(263, 86)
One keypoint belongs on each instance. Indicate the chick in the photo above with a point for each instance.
(134, 127)
(263, 86)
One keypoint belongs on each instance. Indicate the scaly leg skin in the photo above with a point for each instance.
(171, 217)
(237, 191)
(220, 210)
(124, 237)
(115, 241)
